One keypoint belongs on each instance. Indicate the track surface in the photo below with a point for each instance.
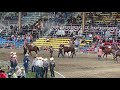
(81, 66)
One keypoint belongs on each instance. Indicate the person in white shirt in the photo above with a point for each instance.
(38, 66)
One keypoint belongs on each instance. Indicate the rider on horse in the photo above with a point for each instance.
(32, 45)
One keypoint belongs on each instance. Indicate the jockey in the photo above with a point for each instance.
(32, 45)
(109, 46)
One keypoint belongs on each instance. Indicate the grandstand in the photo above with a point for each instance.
(42, 24)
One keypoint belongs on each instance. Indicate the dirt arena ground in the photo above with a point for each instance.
(81, 66)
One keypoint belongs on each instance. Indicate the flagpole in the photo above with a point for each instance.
(83, 21)
(19, 21)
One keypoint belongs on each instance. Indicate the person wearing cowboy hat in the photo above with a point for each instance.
(45, 66)
(33, 64)
(52, 66)
(18, 72)
(23, 74)
(14, 53)
(37, 67)
(41, 71)
(13, 62)
(26, 61)
(41, 67)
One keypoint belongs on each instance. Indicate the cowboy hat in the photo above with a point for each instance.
(40, 58)
(11, 52)
(22, 68)
(26, 54)
(14, 53)
(45, 59)
(37, 58)
(51, 58)
(14, 56)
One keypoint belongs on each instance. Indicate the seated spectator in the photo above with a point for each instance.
(18, 72)
(23, 74)
(2, 74)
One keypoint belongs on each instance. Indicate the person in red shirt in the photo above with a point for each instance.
(2, 74)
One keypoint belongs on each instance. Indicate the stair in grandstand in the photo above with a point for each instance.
(32, 17)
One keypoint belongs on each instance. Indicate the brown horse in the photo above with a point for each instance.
(107, 50)
(68, 49)
(116, 53)
(32, 48)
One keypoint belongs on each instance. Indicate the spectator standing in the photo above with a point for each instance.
(45, 66)
(37, 68)
(26, 62)
(52, 66)
(41, 68)
(33, 64)
(14, 62)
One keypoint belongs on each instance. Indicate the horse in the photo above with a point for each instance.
(106, 50)
(116, 53)
(68, 49)
(32, 48)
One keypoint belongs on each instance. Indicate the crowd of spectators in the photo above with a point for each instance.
(39, 67)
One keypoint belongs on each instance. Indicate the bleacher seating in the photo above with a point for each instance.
(55, 42)
(17, 44)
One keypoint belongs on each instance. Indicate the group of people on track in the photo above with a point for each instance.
(39, 66)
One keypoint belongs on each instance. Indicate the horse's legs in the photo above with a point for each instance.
(36, 52)
(30, 53)
(116, 60)
(103, 55)
(72, 54)
(106, 57)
